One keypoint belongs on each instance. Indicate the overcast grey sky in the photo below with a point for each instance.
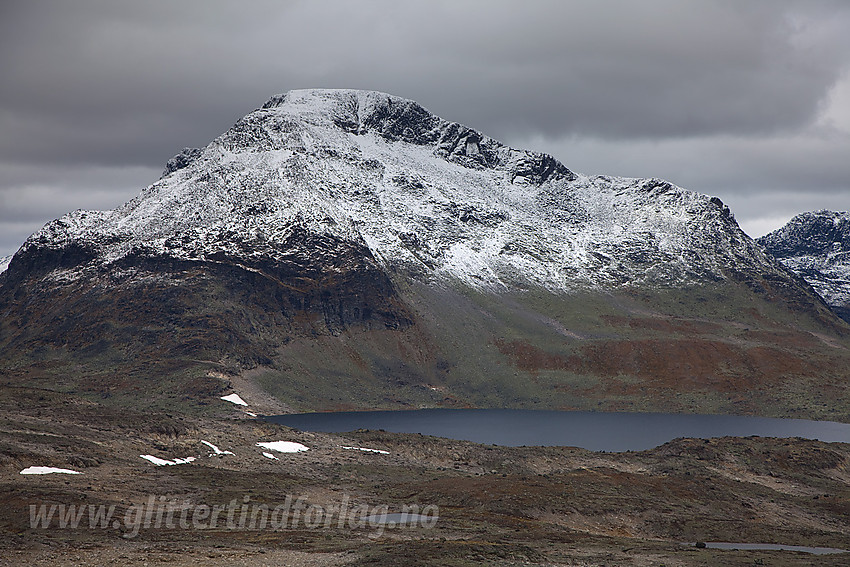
(748, 100)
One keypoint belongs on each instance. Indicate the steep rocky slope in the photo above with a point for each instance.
(350, 249)
(816, 246)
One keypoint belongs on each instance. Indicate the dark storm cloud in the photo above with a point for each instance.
(125, 84)
(31, 195)
(637, 70)
(136, 81)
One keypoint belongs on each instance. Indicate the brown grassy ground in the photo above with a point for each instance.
(497, 505)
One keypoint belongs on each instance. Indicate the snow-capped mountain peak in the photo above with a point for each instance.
(426, 196)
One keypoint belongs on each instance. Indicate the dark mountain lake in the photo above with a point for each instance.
(597, 431)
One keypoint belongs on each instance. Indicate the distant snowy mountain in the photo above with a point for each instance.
(346, 249)
(4, 263)
(816, 246)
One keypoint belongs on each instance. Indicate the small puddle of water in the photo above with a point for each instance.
(772, 547)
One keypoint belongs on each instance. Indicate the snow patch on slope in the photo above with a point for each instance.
(165, 462)
(234, 399)
(48, 470)
(215, 450)
(284, 446)
(365, 450)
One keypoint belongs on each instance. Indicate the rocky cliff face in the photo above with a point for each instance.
(816, 247)
(351, 249)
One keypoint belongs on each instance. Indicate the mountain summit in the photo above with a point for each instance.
(343, 248)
